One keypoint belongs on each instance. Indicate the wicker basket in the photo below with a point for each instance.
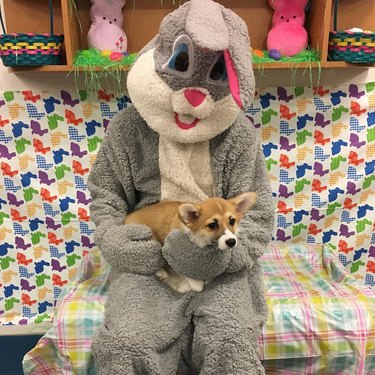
(354, 47)
(29, 49)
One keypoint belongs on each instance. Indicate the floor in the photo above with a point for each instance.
(12, 350)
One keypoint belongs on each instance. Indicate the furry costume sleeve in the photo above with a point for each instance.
(127, 248)
(245, 171)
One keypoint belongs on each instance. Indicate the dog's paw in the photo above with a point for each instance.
(162, 274)
(196, 285)
(183, 288)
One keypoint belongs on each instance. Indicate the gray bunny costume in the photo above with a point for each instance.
(185, 138)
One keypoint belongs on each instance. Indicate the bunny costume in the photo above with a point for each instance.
(185, 138)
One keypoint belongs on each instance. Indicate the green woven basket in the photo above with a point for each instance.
(29, 49)
(354, 47)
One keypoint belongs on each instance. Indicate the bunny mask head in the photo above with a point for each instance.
(190, 82)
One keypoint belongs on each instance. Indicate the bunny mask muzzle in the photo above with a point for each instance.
(190, 83)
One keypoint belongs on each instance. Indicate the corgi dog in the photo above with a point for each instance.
(213, 221)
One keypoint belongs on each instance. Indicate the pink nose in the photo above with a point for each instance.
(194, 97)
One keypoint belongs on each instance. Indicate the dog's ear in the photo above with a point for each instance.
(244, 202)
(189, 213)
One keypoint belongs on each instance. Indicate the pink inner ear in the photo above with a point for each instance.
(233, 78)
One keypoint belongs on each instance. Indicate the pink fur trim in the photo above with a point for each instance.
(184, 125)
(233, 78)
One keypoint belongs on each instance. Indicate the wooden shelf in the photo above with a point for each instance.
(257, 67)
(142, 20)
(43, 68)
(343, 64)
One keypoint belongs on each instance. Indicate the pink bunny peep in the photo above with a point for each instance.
(288, 36)
(106, 31)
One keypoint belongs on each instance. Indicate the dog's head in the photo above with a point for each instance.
(216, 220)
(191, 81)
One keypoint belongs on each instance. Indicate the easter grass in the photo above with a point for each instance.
(306, 56)
(95, 67)
(92, 59)
(97, 70)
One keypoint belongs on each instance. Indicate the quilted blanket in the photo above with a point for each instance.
(321, 318)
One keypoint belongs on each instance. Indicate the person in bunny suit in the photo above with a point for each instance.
(185, 138)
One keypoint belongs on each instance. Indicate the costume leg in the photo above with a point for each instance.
(141, 332)
(226, 328)
(257, 294)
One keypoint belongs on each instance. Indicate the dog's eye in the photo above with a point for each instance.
(214, 225)
(180, 59)
(232, 221)
(219, 71)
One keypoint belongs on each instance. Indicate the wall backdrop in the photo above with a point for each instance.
(319, 145)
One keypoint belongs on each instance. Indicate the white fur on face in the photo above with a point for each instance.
(154, 100)
(225, 237)
(196, 237)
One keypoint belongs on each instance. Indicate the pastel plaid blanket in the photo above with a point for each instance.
(321, 319)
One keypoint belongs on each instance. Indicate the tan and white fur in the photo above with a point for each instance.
(212, 221)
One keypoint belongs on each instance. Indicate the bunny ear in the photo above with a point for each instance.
(120, 3)
(238, 60)
(274, 4)
(206, 26)
(302, 3)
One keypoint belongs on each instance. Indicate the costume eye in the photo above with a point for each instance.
(282, 17)
(294, 17)
(180, 59)
(214, 225)
(217, 74)
(232, 221)
(219, 71)
(104, 18)
(115, 19)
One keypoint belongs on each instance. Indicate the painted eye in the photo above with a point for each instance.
(219, 71)
(232, 221)
(214, 225)
(180, 58)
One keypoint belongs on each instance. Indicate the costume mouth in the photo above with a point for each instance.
(183, 125)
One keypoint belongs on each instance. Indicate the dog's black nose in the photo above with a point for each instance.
(231, 242)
